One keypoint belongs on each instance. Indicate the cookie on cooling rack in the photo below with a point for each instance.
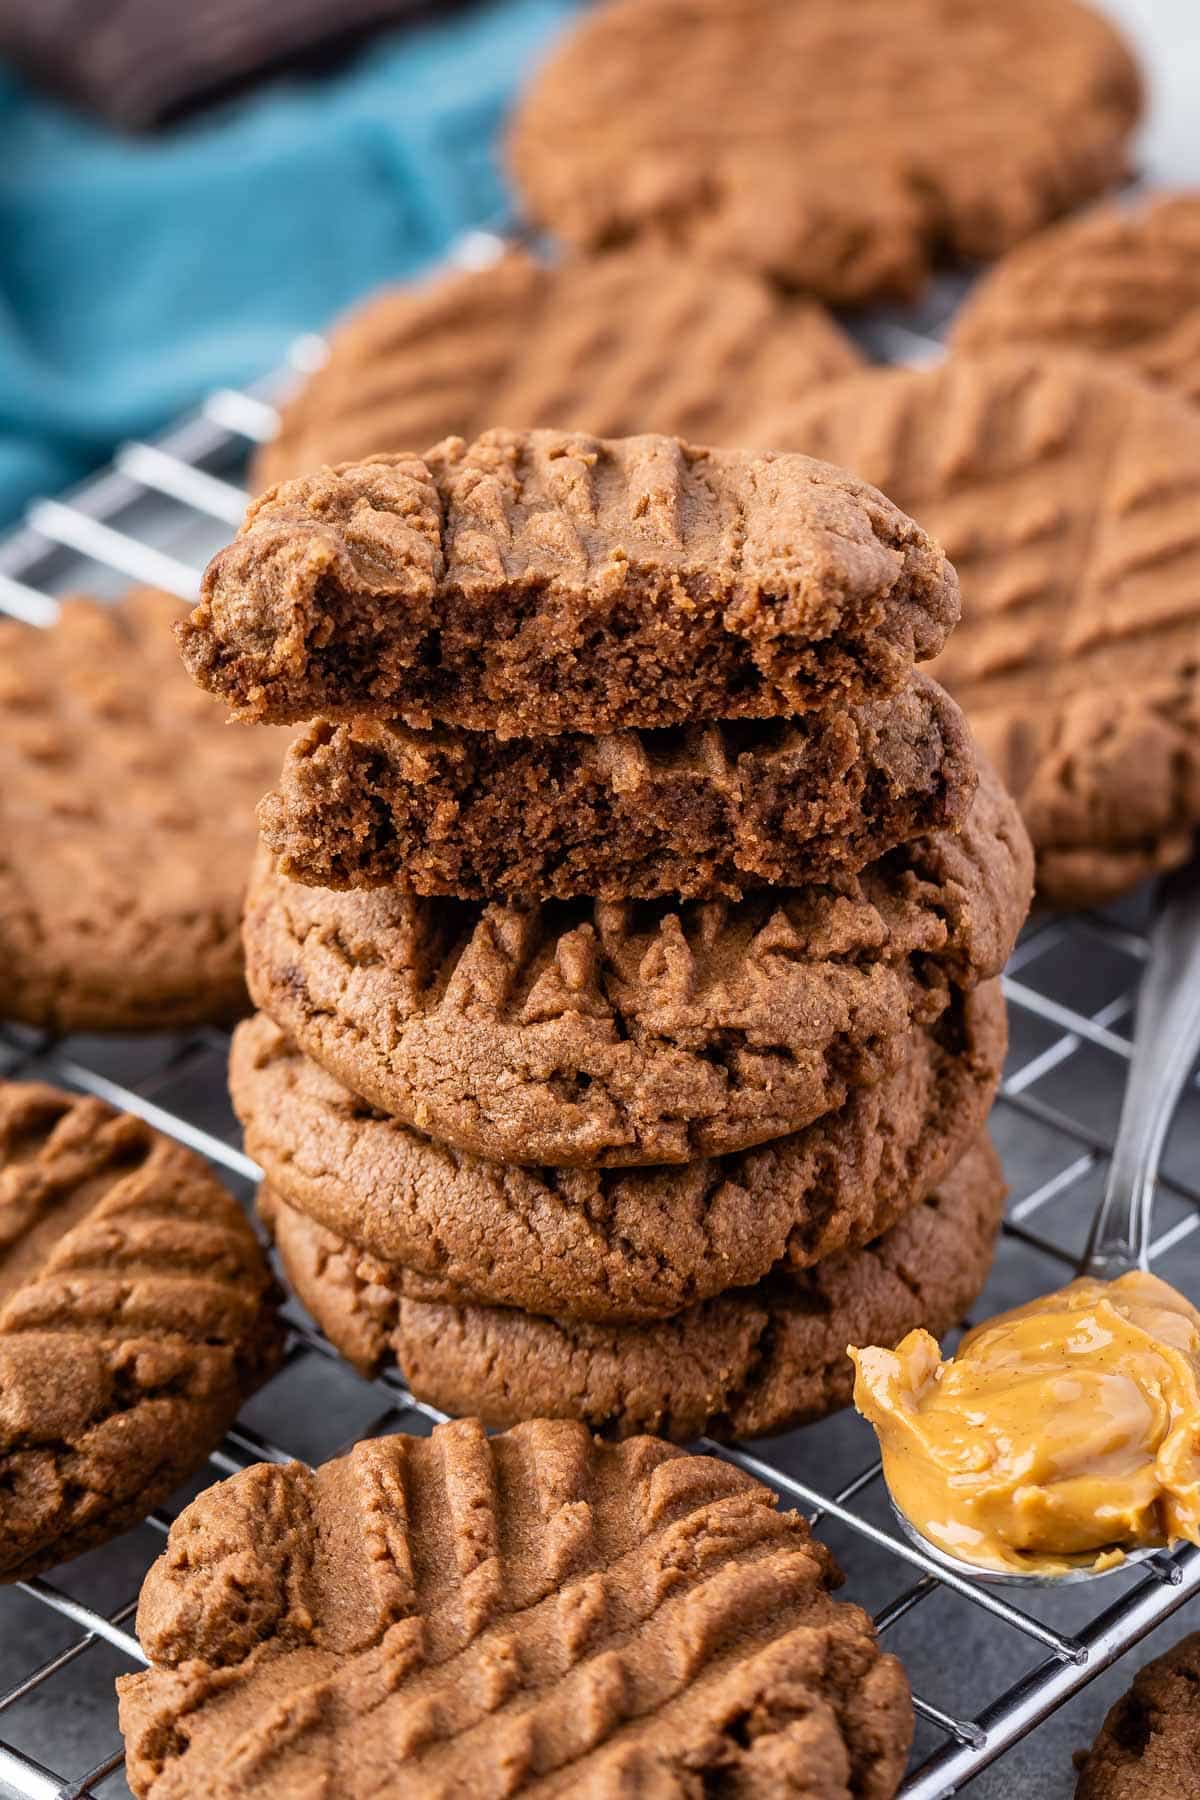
(126, 825)
(586, 1033)
(637, 340)
(623, 1244)
(701, 811)
(540, 582)
(136, 1314)
(925, 129)
(1149, 1745)
(457, 1613)
(1066, 491)
(1123, 281)
(748, 1363)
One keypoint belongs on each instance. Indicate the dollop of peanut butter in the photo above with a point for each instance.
(1062, 1434)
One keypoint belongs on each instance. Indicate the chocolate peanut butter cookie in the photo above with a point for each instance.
(1123, 281)
(136, 1314)
(623, 1244)
(838, 150)
(1149, 1745)
(539, 582)
(126, 825)
(701, 811)
(1066, 490)
(452, 1614)
(640, 340)
(748, 1363)
(580, 1032)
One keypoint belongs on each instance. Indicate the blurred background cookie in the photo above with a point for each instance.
(126, 825)
(639, 340)
(1123, 281)
(1066, 491)
(839, 149)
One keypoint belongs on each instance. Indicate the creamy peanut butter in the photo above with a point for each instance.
(1063, 1434)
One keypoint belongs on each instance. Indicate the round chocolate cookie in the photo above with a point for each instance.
(637, 341)
(126, 825)
(581, 1033)
(536, 582)
(1123, 281)
(531, 1612)
(1149, 1745)
(617, 1244)
(751, 1362)
(701, 811)
(136, 1314)
(838, 150)
(1067, 492)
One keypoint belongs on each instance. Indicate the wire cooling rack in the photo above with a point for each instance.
(984, 1669)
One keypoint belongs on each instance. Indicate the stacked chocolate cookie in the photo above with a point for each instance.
(626, 927)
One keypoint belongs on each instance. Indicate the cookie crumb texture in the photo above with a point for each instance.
(580, 1033)
(748, 1363)
(621, 1244)
(640, 340)
(701, 811)
(1067, 492)
(126, 825)
(534, 1611)
(926, 129)
(1122, 280)
(541, 582)
(136, 1314)
(1149, 1745)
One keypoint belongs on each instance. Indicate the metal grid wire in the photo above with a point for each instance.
(153, 517)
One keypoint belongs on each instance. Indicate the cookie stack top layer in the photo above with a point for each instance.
(639, 340)
(542, 582)
(532, 1610)
(836, 148)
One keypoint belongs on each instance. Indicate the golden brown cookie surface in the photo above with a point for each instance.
(536, 1610)
(623, 1244)
(536, 582)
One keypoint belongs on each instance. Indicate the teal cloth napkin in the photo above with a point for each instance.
(137, 274)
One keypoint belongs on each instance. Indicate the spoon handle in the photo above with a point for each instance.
(1166, 1043)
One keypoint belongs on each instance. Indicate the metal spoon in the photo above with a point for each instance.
(1166, 1043)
